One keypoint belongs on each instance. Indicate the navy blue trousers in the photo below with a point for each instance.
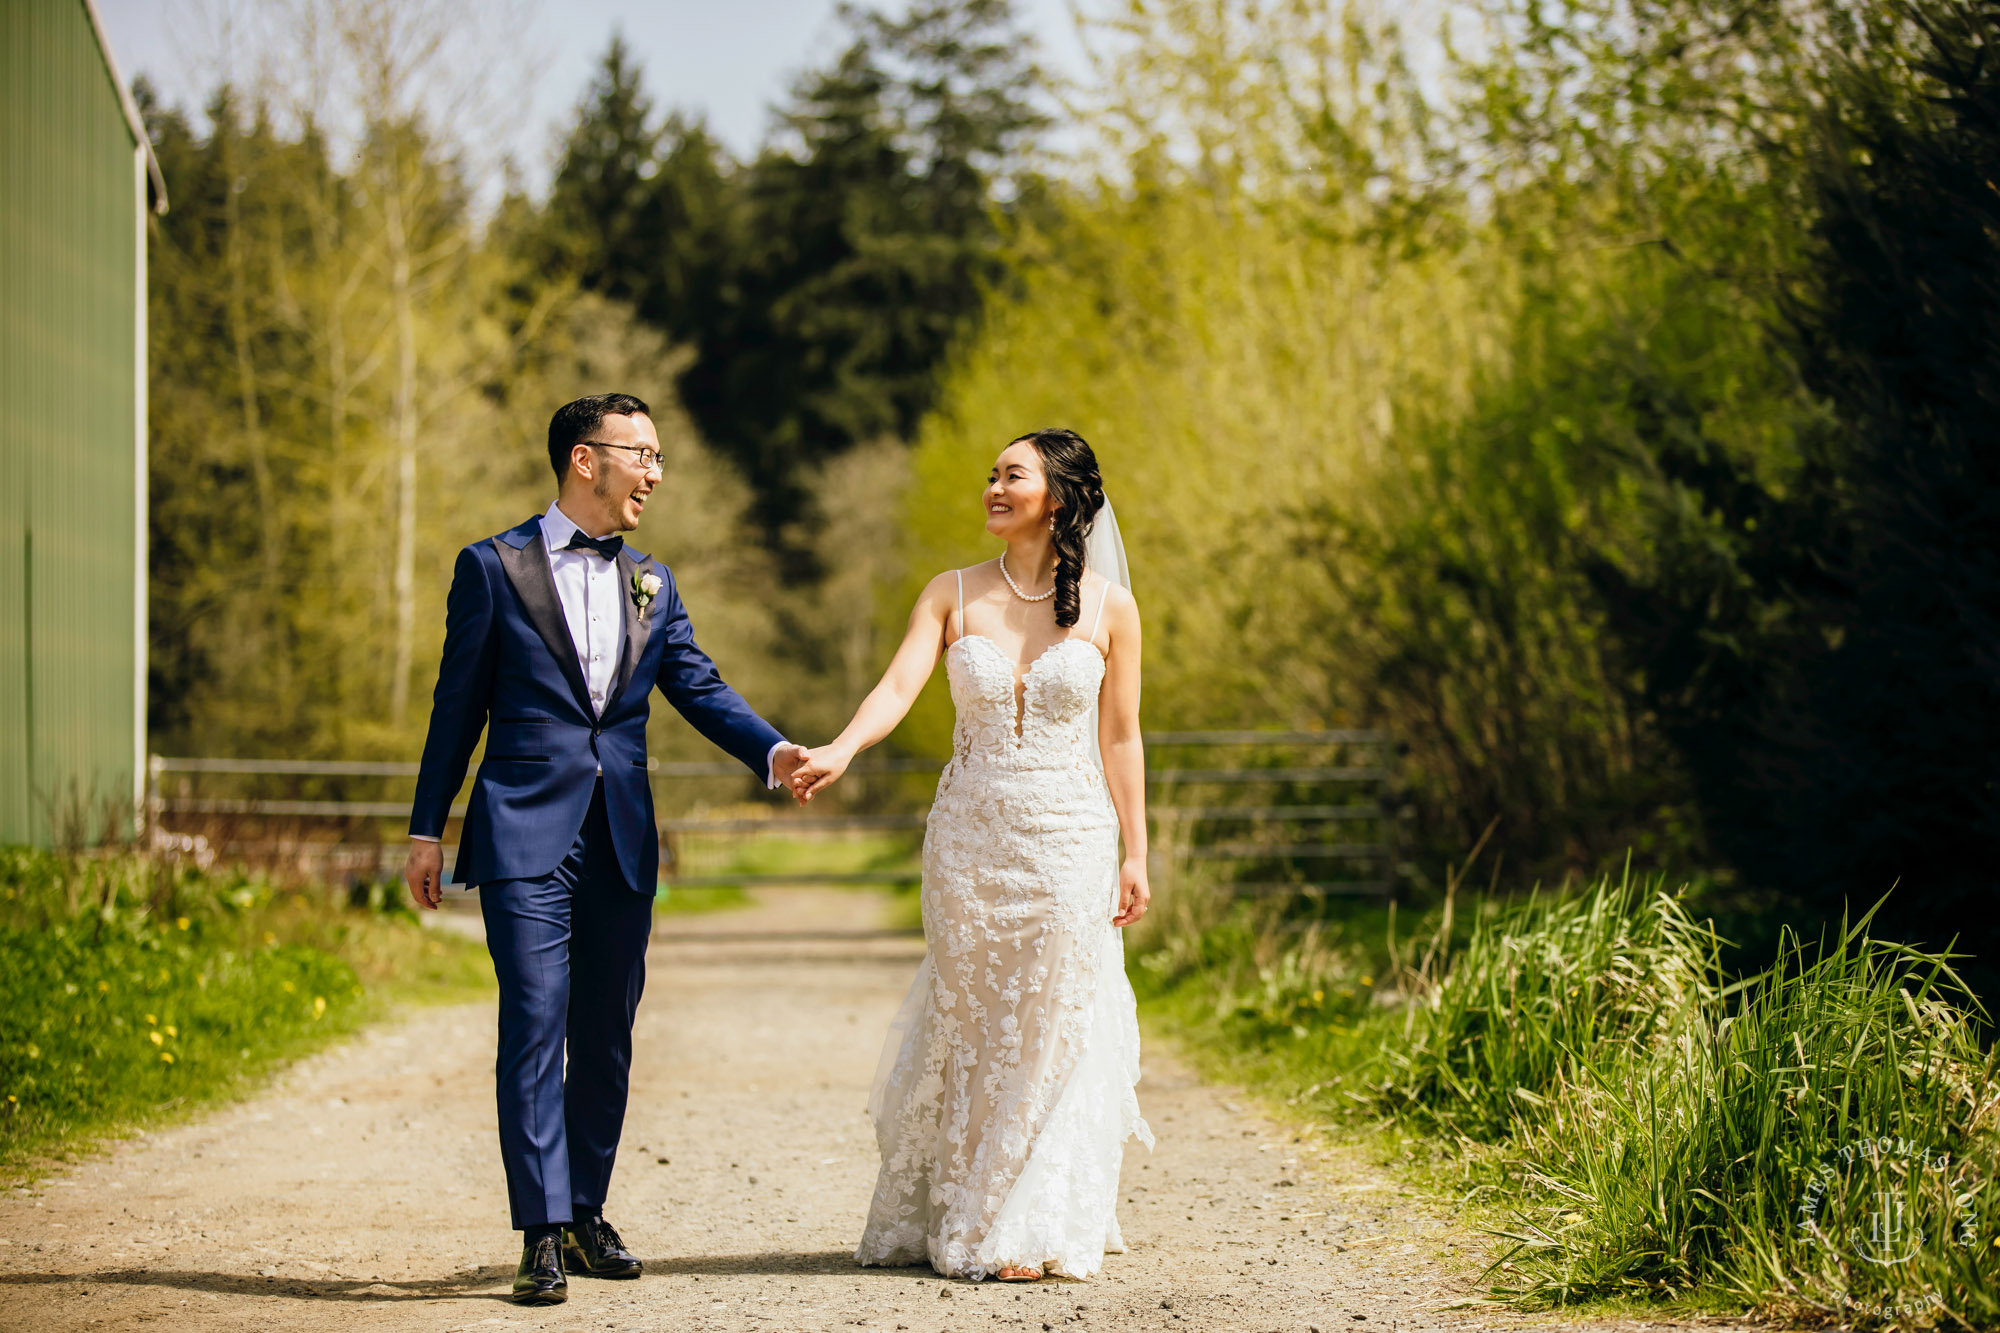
(569, 949)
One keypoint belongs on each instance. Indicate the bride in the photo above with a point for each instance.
(1006, 1089)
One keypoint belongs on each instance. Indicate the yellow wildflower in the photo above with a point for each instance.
(158, 1040)
(290, 988)
(167, 1056)
(182, 923)
(319, 1006)
(103, 986)
(154, 1021)
(172, 1031)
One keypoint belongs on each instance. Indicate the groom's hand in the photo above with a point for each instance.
(821, 769)
(424, 873)
(785, 763)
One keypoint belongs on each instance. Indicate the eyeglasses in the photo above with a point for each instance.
(648, 458)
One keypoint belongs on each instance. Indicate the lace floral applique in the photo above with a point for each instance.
(1007, 1087)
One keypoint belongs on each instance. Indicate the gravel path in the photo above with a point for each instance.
(363, 1191)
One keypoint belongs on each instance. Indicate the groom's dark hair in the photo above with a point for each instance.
(574, 424)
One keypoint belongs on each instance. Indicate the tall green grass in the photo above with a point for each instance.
(1531, 993)
(1637, 1123)
(133, 988)
(1750, 1146)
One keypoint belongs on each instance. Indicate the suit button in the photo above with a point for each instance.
(596, 731)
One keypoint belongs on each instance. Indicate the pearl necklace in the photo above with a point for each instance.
(1039, 597)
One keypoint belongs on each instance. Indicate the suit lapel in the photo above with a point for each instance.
(638, 623)
(527, 569)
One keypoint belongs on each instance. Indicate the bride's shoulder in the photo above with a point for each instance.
(1094, 584)
(945, 584)
(1116, 597)
(967, 574)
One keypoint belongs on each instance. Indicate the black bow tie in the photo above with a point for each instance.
(608, 547)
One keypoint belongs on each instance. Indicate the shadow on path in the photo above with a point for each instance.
(464, 1285)
(468, 1284)
(826, 1263)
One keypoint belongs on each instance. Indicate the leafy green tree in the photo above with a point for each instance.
(350, 380)
(1824, 651)
(220, 554)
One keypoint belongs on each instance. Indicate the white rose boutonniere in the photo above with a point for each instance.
(645, 587)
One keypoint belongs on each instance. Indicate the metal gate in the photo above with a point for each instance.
(1311, 812)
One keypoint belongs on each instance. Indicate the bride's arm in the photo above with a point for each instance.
(1124, 752)
(889, 702)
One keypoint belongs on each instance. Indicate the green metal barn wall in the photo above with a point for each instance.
(71, 430)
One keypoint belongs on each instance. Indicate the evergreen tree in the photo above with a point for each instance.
(821, 285)
(872, 234)
(636, 210)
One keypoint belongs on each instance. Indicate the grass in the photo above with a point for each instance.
(1506, 1017)
(1635, 1125)
(783, 854)
(905, 908)
(1750, 1146)
(700, 899)
(792, 854)
(136, 989)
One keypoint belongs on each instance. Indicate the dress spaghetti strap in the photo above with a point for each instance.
(1101, 599)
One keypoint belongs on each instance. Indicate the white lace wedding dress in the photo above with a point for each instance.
(1006, 1091)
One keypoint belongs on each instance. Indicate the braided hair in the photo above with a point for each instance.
(1076, 487)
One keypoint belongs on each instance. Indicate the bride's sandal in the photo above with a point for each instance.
(1013, 1274)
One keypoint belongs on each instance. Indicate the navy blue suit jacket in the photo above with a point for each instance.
(508, 658)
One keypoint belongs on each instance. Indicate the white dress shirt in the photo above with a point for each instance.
(592, 603)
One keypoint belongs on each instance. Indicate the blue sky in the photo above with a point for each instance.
(730, 59)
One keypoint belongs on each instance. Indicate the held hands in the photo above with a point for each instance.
(821, 769)
(1134, 894)
(785, 761)
(424, 873)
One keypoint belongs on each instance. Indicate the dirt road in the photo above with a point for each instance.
(364, 1190)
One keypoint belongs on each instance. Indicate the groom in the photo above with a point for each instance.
(556, 634)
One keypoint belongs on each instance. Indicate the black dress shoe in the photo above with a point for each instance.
(539, 1280)
(591, 1247)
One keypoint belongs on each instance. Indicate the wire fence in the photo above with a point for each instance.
(1309, 812)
